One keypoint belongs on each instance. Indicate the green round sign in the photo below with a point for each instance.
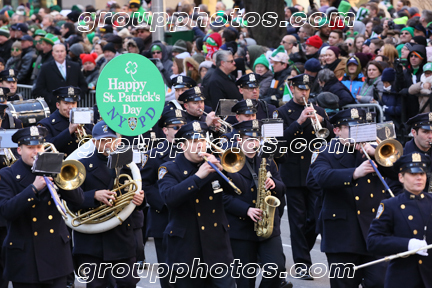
(130, 94)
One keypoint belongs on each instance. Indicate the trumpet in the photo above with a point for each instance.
(319, 130)
(225, 125)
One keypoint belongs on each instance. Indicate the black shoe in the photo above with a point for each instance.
(70, 285)
(304, 275)
(286, 284)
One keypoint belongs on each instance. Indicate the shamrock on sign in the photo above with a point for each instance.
(131, 68)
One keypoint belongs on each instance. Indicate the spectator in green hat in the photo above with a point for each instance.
(406, 34)
(261, 66)
(44, 48)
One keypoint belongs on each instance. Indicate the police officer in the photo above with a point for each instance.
(300, 200)
(197, 232)
(243, 214)
(404, 223)
(193, 103)
(37, 248)
(61, 132)
(3, 156)
(180, 84)
(245, 110)
(351, 196)
(157, 217)
(421, 129)
(118, 244)
(9, 80)
(9, 122)
(249, 88)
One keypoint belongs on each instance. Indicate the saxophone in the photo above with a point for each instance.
(265, 202)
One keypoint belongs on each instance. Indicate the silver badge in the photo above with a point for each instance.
(34, 131)
(196, 126)
(369, 116)
(11, 72)
(306, 78)
(255, 124)
(249, 102)
(1, 92)
(216, 186)
(197, 90)
(430, 116)
(252, 77)
(71, 91)
(354, 113)
(180, 79)
(178, 113)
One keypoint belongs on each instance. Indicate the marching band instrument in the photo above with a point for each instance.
(225, 125)
(236, 189)
(9, 157)
(320, 132)
(265, 202)
(388, 152)
(105, 217)
(391, 257)
(232, 159)
(29, 111)
(81, 134)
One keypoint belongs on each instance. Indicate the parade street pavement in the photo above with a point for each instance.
(317, 257)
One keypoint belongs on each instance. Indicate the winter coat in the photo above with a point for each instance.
(265, 82)
(417, 88)
(91, 76)
(167, 63)
(14, 63)
(27, 59)
(336, 87)
(391, 103)
(368, 91)
(353, 82)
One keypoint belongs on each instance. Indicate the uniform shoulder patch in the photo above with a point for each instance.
(380, 210)
(161, 172)
(144, 160)
(314, 156)
(275, 114)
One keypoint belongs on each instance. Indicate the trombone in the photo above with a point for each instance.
(320, 132)
(232, 161)
(82, 135)
(225, 125)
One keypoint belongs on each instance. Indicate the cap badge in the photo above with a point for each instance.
(252, 77)
(34, 131)
(196, 126)
(430, 116)
(416, 157)
(71, 91)
(11, 72)
(197, 90)
(255, 124)
(105, 128)
(178, 113)
(249, 103)
(306, 78)
(180, 79)
(368, 116)
(354, 113)
(1, 92)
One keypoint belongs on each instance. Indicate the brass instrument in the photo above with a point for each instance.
(320, 132)
(81, 134)
(9, 157)
(388, 152)
(232, 159)
(225, 125)
(72, 173)
(104, 212)
(265, 202)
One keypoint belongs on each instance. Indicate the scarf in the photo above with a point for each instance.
(333, 65)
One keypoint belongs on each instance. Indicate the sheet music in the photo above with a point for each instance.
(363, 133)
(272, 130)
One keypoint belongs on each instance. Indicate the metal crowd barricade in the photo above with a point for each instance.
(374, 108)
(88, 101)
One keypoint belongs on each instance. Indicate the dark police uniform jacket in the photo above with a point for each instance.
(348, 205)
(237, 206)
(297, 164)
(158, 213)
(58, 133)
(117, 243)
(7, 123)
(37, 245)
(398, 221)
(410, 147)
(197, 225)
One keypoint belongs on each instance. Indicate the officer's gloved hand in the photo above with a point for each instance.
(415, 244)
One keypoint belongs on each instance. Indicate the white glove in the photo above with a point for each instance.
(415, 244)
(384, 107)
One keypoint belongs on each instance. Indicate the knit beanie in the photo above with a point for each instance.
(77, 49)
(388, 75)
(409, 29)
(335, 50)
(88, 58)
(262, 60)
